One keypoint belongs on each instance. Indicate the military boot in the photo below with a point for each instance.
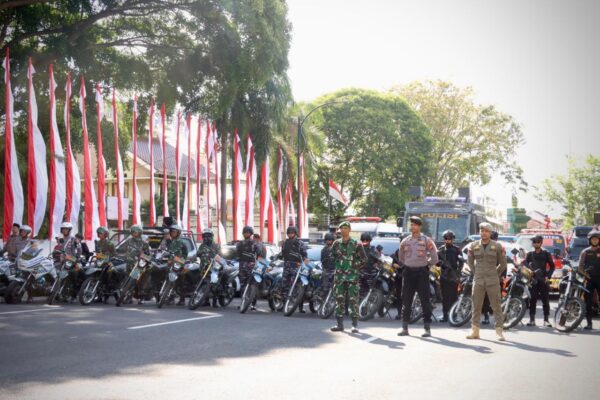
(499, 335)
(355, 325)
(474, 333)
(404, 331)
(340, 325)
(427, 332)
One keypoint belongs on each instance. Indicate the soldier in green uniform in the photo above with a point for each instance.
(349, 257)
(104, 247)
(207, 251)
(487, 262)
(176, 246)
(135, 246)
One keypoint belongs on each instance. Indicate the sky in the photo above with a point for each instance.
(538, 61)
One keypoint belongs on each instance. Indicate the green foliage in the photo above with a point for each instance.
(578, 192)
(372, 145)
(470, 141)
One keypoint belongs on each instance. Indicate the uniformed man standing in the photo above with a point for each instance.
(293, 253)
(417, 254)
(589, 261)
(328, 264)
(537, 260)
(349, 258)
(370, 267)
(248, 251)
(176, 246)
(451, 262)
(487, 262)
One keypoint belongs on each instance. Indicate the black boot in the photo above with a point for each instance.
(589, 325)
(427, 332)
(404, 331)
(340, 325)
(444, 318)
(355, 325)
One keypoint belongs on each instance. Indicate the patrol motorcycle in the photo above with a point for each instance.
(381, 296)
(516, 301)
(571, 308)
(461, 311)
(260, 284)
(305, 285)
(34, 275)
(140, 278)
(178, 270)
(103, 277)
(434, 296)
(68, 280)
(7, 269)
(221, 284)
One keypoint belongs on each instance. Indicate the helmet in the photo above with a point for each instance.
(66, 225)
(537, 239)
(136, 229)
(207, 232)
(448, 234)
(102, 230)
(366, 237)
(248, 229)
(292, 229)
(329, 236)
(25, 228)
(175, 227)
(494, 235)
(593, 234)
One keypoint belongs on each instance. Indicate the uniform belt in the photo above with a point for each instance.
(414, 268)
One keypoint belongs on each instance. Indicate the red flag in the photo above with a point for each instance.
(137, 219)
(264, 194)
(209, 150)
(336, 193)
(250, 183)
(272, 222)
(72, 171)
(57, 182)
(177, 161)
(163, 140)
(187, 202)
(280, 189)
(13, 189)
(101, 162)
(120, 177)
(37, 178)
(91, 206)
(237, 172)
(291, 202)
(198, 178)
(152, 210)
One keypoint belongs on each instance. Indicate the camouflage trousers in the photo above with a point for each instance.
(342, 287)
(246, 268)
(290, 269)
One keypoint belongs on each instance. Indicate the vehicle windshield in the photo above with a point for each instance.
(577, 247)
(229, 253)
(389, 246)
(550, 243)
(435, 224)
(314, 253)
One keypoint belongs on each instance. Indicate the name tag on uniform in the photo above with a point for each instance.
(493, 247)
(476, 248)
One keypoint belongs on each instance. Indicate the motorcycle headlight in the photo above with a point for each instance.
(217, 267)
(69, 264)
(524, 280)
(580, 278)
(177, 267)
(143, 262)
(386, 275)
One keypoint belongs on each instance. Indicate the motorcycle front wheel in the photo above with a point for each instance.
(199, 296)
(57, 290)
(461, 311)
(12, 295)
(569, 315)
(87, 291)
(228, 295)
(515, 311)
(416, 312)
(125, 290)
(370, 304)
(165, 294)
(276, 302)
(248, 296)
(294, 301)
(328, 306)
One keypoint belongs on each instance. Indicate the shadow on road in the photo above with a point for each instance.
(457, 345)
(370, 339)
(535, 349)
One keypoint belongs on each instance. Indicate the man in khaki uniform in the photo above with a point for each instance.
(487, 262)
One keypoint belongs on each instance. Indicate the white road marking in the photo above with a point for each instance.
(371, 339)
(34, 310)
(174, 322)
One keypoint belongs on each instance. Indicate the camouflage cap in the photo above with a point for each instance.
(486, 226)
(345, 223)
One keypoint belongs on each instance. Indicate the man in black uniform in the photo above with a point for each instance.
(369, 269)
(451, 262)
(536, 260)
(248, 252)
(589, 261)
(328, 263)
(293, 253)
(398, 283)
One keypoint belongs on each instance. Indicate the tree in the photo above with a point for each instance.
(470, 141)
(374, 147)
(578, 192)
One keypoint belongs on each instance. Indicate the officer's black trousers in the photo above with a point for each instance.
(416, 280)
(539, 291)
(593, 284)
(449, 294)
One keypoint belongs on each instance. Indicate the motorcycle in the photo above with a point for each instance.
(462, 309)
(381, 296)
(7, 269)
(175, 281)
(35, 274)
(221, 285)
(416, 312)
(103, 279)
(68, 282)
(262, 283)
(305, 285)
(571, 308)
(140, 278)
(516, 301)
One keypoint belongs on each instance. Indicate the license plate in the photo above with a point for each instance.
(214, 277)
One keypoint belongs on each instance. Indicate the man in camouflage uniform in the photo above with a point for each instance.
(207, 251)
(103, 245)
(349, 258)
(293, 253)
(135, 246)
(176, 246)
(248, 251)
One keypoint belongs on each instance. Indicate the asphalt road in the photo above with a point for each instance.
(140, 352)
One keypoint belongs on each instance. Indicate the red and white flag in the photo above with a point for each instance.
(336, 193)
(209, 151)
(136, 209)
(163, 141)
(199, 224)
(265, 194)
(101, 161)
(292, 212)
(280, 189)
(187, 219)
(250, 183)
(302, 207)
(91, 220)
(177, 166)
(57, 182)
(272, 222)
(151, 123)
(72, 170)
(221, 233)
(13, 189)
(37, 177)
(238, 165)
(119, 172)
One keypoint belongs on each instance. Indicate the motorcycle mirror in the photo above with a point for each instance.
(400, 222)
(514, 251)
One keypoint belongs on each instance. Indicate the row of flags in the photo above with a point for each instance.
(60, 184)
